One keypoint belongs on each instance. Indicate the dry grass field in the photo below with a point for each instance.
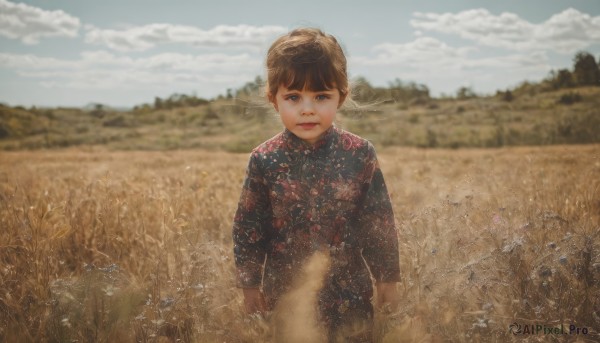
(101, 246)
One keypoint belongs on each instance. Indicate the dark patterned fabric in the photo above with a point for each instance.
(297, 199)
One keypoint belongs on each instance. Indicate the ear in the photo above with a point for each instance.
(273, 100)
(342, 98)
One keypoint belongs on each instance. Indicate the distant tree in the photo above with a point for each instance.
(143, 108)
(505, 96)
(361, 81)
(400, 91)
(526, 88)
(251, 88)
(465, 93)
(168, 103)
(563, 79)
(397, 91)
(98, 111)
(177, 100)
(560, 79)
(585, 70)
(362, 90)
(158, 103)
(418, 90)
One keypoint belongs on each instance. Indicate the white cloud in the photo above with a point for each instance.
(422, 51)
(443, 67)
(29, 24)
(565, 32)
(521, 52)
(165, 71)
(141, 38)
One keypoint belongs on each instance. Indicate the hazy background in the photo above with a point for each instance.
(72, 53)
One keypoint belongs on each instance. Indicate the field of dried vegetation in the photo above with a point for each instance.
(101, 246)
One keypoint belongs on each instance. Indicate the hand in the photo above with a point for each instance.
(387, 293)
(254, 301)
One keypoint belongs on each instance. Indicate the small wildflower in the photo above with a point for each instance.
(497, 219)
(480, 324)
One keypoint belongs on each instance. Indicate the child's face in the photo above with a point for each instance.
(305, 113)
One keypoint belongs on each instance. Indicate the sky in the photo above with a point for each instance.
(123, 53)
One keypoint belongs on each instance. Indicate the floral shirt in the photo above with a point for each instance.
(297, 199)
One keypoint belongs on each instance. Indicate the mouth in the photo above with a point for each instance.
(307, 126)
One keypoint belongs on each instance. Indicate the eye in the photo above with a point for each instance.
(323, 96)
(292, 97)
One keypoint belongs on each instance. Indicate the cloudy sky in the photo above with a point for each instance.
(126, 52)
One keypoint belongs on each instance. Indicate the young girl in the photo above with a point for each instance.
(314, 187)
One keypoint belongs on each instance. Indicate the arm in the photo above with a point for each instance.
(249, 227)
(380, 245)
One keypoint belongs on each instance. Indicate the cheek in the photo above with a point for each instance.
(329, 111)
(285, 112)
(284, 108)
(287, 119)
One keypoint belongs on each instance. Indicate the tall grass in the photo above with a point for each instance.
(135, 246)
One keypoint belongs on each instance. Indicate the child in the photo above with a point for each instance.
(314, 187)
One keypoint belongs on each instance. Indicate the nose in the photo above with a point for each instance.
(308, 107)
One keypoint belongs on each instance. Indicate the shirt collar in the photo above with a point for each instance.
(296, 145)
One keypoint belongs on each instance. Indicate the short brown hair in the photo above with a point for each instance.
(307, 57)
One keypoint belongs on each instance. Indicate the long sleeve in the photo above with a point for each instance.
(249, 226)
(376, 222)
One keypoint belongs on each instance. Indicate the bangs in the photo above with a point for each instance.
(315, 77)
